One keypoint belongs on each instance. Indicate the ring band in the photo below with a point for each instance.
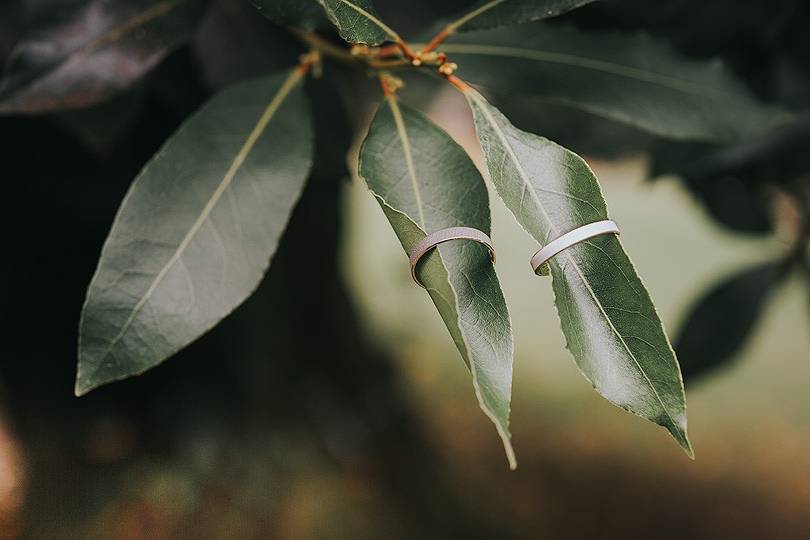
(445, 235)
(571, 238)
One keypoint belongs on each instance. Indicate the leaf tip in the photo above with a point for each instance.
(510, 453)
(86, 379)
(82, 387)
(679, 434)
(506, 438)
(690, 452)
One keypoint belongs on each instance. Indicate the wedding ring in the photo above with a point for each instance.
(571, 238)
(445, 235)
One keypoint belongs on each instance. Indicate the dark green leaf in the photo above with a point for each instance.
(719, 323)
(491, 13)
(93, 53)
(610, 323)
(304, 14)
(580, 131)
(425, 182)
(197, 229)
(629, 78)
(358, 22)
(726, 189)
(735, 182)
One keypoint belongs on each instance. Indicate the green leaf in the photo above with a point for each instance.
(304, 14)
(610, 323)
(629, 78)
(358, 22)
(196, 232)
(492, 13)
(719, 324)
(85, 56)
(730, 181)
(425, 182)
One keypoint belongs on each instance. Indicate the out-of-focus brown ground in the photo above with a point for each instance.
(12, 478)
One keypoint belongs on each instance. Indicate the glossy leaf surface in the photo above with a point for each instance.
(610, 324)
(93, 52)
(629, 78)
(196, 232)
(718, 325)
(492, 13)
(304, 14)
(358, 22)
(425, 182)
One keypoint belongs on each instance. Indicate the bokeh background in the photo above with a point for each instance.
(333, 404)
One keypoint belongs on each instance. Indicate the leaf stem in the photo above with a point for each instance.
(326, 47)
(388, 64)
(389, 50)
(437, 40)
(307, 61)
(459, 84)
(451, 28)
(408, 52)
(373, 60)
(389, 84)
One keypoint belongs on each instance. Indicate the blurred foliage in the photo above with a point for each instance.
(720, 322)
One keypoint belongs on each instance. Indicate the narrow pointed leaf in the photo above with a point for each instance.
(196, 232)
(358, 22)
(628, 78)
(610, 324)
(492, 13)
(93, 52)
(425, 182)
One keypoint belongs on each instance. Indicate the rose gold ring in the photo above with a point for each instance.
(445, 235)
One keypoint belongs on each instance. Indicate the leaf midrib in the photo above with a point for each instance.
(502, 430)
(408, 151)
(588, 63)
(381, 25)
(269, 112)
(523, 175)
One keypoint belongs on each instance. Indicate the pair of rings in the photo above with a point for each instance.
(542, 256)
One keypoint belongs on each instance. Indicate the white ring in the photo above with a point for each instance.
(571, 238)
(444, 235)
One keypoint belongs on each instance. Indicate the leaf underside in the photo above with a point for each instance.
(609, 321)
(425, 182)
(196, 231)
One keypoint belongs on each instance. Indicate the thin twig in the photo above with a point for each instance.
(389, 84)
(327, 48)
(458, 83)
(437, 40)
(388, 64)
